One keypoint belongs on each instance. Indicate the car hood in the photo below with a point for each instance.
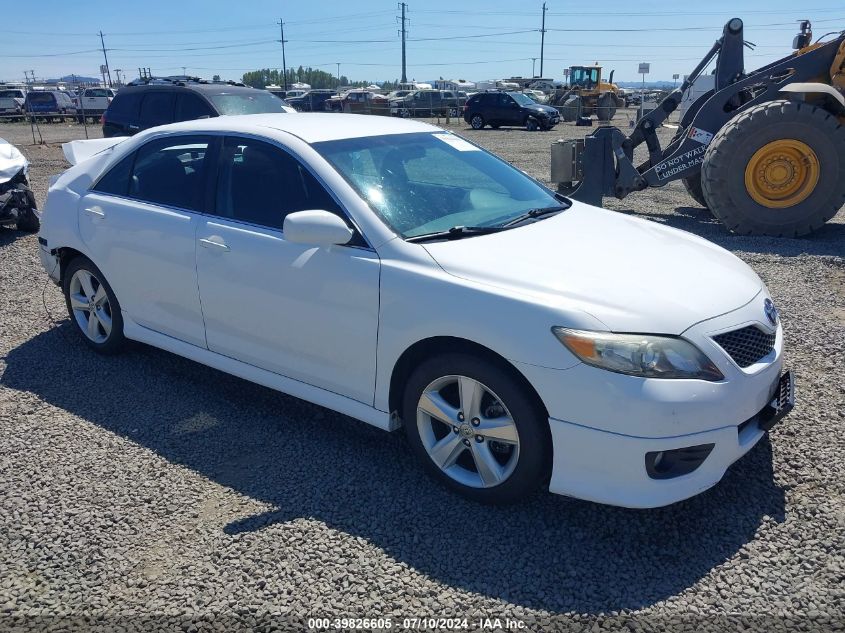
(537, 107)
(632, 275)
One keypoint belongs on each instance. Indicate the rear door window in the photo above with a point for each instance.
(171, 171)
(157, 109)
(190, 106)
(125, 106)
(116, 179)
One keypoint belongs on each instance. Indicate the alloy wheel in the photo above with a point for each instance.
(90, 305)
(467, 431)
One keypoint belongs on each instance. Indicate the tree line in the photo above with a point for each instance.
(313, 77)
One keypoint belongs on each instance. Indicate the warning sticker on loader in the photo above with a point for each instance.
(676, 165)
(702, 136)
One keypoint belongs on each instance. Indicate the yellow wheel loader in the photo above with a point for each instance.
(764, 150)
(587, 94)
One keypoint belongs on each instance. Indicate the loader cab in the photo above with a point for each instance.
(587, 77)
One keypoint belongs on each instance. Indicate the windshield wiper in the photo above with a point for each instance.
(455, 233)
(533, 214)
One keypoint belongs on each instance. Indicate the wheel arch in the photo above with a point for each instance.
(66, 255)
(431, 347)
(826, 95)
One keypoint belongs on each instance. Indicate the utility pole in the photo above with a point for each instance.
(284, 64)
(184, 71)
(542, 38)
(338, 74)
(404, 6)
(533, 61)
(105, 57)
(117, 72)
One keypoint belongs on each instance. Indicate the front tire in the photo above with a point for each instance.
(93, 307)
(476, 428)
(571, 109)
(606, 107)
(777, 169)
(531, 124)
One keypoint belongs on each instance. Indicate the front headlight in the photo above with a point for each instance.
(644, 355)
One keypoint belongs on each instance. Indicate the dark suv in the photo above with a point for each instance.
(139, 107)
(312, 101)
(508, 108)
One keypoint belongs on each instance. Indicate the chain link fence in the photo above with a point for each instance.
(441, 107)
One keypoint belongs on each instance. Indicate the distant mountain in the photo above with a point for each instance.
(79, 78)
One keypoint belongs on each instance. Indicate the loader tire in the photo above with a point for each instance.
(693, 186)
(777, 169)
(606, 107)
(571, 109)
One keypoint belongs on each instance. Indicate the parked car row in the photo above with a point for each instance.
(494, 108)
(55, 103)
(146, 104)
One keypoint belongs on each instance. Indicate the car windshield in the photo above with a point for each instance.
(97, 92)
(257, 102)
(5, 94)
(521, 99)
(428, 182)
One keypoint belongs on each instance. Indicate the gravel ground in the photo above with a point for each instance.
(145, 491)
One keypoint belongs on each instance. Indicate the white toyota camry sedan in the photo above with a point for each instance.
(401, 275)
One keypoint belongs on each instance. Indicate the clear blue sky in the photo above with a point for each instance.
(472, 39)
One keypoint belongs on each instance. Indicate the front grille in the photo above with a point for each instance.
(746, 345)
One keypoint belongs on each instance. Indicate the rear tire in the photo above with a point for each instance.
(500, 452)
(693, 186)
(476, 122)
(93, 307)
(531, 124)
(777, 169)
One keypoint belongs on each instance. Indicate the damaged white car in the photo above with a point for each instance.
(399, 274)
(17, 202)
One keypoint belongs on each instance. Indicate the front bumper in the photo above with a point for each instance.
(604, 424)
(615, 469)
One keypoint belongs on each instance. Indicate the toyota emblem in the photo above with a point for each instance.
(771, 311)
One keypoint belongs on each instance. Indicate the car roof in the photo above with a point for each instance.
(208, 88)
(310, 127)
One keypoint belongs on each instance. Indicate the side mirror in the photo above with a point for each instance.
(317, 228)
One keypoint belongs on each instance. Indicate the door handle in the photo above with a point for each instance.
(209, 243)
(96, 212)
